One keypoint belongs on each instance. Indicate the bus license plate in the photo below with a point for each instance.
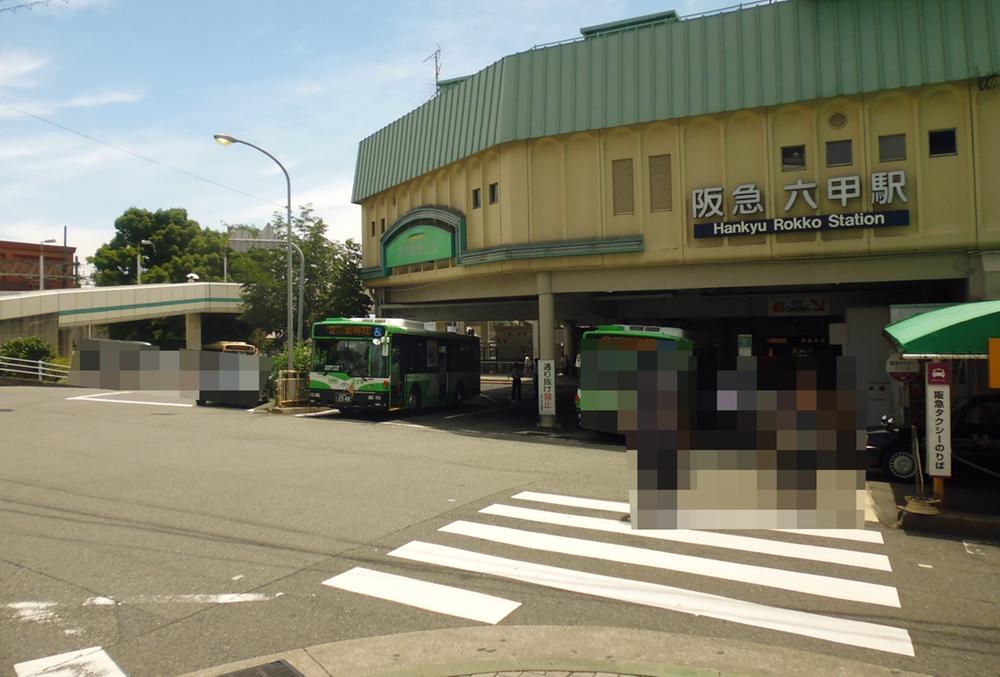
(343, 397)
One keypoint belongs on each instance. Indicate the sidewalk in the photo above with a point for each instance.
(548, 650)
(966, 511)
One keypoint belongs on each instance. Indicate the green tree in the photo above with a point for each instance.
(179, 246)
(333, 286)
(28, 348)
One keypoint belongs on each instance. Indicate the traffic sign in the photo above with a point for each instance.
(900, 369)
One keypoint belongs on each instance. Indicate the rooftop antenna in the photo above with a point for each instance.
(437, 64)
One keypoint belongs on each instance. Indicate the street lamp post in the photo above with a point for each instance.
(41, 262)
(138, 261)
(225, 140)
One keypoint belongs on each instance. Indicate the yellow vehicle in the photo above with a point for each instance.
(232, 347)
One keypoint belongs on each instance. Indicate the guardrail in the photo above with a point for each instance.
(37, 369)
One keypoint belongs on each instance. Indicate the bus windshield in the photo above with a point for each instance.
(354, 357)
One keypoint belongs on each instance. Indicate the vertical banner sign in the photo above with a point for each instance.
(938, 419)
(546, 387)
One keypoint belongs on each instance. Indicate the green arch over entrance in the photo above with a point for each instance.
(422, 235)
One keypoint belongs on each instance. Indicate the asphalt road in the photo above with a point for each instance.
(178, 537)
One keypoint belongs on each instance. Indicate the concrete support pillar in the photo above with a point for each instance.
(192, 330)
(984, 276)
(534, 337)
(546, 332)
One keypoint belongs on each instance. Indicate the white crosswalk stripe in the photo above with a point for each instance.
(825, 586)
(654, 562)
(844, 631)
(714, 539)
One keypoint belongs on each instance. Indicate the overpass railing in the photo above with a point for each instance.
(35, 369)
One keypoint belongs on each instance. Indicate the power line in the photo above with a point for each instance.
(27, 5)
(134, 154)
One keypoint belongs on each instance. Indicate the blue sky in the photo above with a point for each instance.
(305, 79)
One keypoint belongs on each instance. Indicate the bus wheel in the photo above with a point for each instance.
(414, 400)
(459, 395)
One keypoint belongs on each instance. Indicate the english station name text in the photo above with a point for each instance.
(800, 224)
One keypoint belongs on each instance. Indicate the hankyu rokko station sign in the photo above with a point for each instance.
(886, 187)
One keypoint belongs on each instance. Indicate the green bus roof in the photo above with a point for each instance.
(638, 331)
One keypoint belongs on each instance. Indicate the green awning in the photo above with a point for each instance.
(960, 330)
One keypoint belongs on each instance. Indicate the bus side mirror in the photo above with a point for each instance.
(578, 361)
(385, 348)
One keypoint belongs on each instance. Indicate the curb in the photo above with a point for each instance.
(542, 648)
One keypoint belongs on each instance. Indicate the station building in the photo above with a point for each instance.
(788, 177)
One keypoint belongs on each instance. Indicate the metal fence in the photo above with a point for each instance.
(34, 369)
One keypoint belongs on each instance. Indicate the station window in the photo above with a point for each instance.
(383, 225)
(942, 142)
(621, 185)
(494, 193)
(477, 198)
(892, 147)
(660, 196)
(373, 229)
(839, 153)
(793, 158)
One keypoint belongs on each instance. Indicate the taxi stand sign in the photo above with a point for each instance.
(938, 419)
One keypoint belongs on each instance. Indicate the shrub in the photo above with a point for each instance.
(28, 348)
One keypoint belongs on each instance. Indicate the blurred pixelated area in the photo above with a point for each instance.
(205, 376)
(759, 443)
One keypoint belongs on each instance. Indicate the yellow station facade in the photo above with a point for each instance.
(789, 177)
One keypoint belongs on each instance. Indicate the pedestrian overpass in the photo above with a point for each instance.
(62, 315)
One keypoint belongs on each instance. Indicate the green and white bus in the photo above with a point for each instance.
(597, 392)
(379, 364)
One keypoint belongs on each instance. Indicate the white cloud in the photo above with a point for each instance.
(17, 65)
(103, 98)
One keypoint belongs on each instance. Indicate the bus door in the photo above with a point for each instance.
(443, 374)
(396, 398)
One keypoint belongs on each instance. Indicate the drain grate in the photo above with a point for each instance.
(275, 669)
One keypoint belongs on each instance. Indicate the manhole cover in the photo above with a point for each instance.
(275, 669)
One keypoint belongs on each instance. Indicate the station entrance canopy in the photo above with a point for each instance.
(961, 331)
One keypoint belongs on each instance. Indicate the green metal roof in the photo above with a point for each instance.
(964, 329)
(637, 71)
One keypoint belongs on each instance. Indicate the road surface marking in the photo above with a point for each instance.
(480, 413)
(926, 566)
(95, 395)
(844, 631)
(103, 397)
(972, 547)
(92, 662)
(314, 414)
(404, 425)
(811, 584)
(429, 596)
(622, 507)
(709, 538)
(223, 598)
(35, 612)
(859, 535)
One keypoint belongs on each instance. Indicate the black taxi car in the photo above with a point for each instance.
(975, 443)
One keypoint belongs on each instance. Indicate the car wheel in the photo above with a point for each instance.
(900, 464)
(413, 402)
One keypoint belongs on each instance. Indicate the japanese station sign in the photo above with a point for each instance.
(885, 188)
(938, 419)
(546, 387)
(797, 305)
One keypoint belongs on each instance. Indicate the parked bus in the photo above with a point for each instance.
(381, 364)
(592, 394)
